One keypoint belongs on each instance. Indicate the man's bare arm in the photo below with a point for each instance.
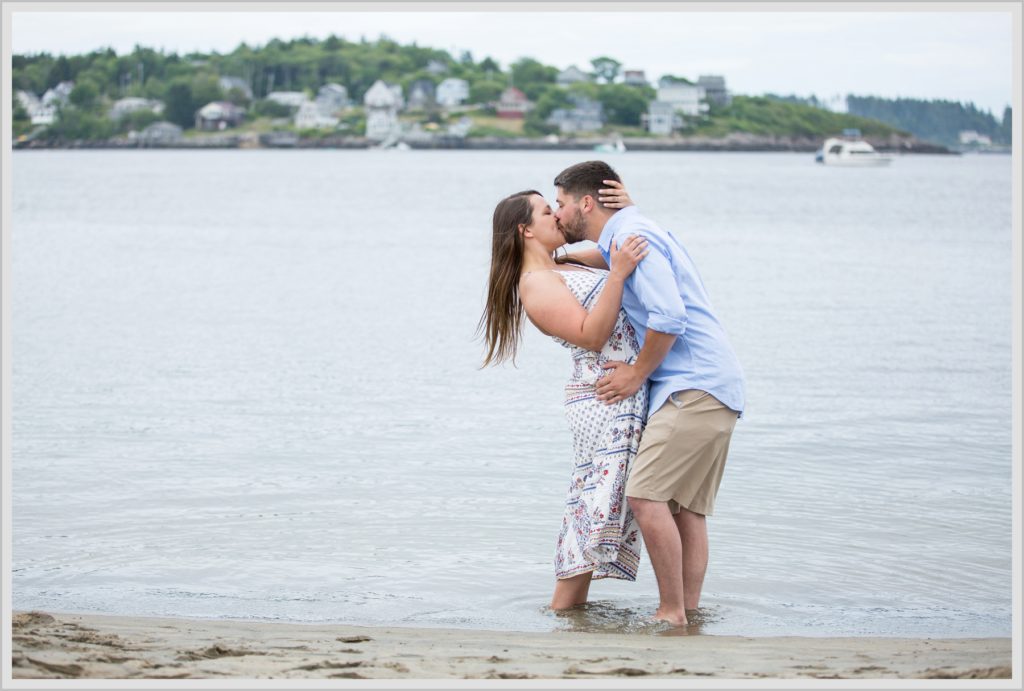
(591, 258)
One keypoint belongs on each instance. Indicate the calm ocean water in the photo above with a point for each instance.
(245, 384)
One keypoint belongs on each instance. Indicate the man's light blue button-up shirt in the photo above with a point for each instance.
(665, 293)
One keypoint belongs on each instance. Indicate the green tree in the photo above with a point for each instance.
(178, 104)
(623, 105)
(205, 89)
(606, 69)
(549, 101)
(271, 109)
(30, 73)
(530, 77)
(938, 121)
(187, 95)
(485, 91)
(59, 72)
(186, 82)
(74, 124)
(21, 123)
(85, 95)
(489, 65)
(238, 97)
(138, 120)
(353, 121)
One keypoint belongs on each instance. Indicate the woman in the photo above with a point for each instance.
(580, 307)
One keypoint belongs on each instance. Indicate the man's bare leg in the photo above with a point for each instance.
(664, 546)
(571, 591)
(693, 533)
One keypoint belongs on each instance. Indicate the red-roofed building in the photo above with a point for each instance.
(513, 104)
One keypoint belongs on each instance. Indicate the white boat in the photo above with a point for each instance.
(617, 147)
(846, 152)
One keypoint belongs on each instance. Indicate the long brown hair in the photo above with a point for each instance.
(502, 321)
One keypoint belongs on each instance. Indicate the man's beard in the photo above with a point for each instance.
(575, 230)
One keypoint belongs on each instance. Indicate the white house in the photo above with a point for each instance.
(38, 113)
(331, 98)
(229, 83)
(452, 92)
(160, 133)
(309, 116)
(28, 100)
(634, 78)
(422, 94)
(396, 89)
(381, 111)
(571, 75)
(219, 115)
(292, 99)
(714, 89)
(585, 115)
(44, 115)
(58, 94)
(133, 104)
(687, 99)
(972, 138)
(661, 118)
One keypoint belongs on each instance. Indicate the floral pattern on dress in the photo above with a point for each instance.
(599, 532)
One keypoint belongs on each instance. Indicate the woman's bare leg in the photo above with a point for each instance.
(571, 591)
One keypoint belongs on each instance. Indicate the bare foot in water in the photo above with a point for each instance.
(673, 618)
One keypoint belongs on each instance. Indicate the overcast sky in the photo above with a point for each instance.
(960, 56)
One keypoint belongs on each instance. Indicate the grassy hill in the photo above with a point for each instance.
(767, 116)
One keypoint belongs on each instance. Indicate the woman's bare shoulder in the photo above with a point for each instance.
(540, 278)
(541, 284)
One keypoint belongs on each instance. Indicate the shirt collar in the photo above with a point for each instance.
(618, 218)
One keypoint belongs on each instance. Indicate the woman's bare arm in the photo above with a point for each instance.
(554, 310)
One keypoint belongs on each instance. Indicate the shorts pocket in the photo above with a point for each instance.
(687, 397)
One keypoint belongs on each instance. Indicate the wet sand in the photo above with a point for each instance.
(60, 646)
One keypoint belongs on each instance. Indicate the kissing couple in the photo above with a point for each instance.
(655, 387)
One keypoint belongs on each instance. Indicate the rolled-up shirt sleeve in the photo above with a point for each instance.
(654, 285)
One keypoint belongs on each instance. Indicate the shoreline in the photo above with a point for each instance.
(63, 646)
(735, 143)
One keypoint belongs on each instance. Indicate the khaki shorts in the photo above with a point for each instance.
(682, 452)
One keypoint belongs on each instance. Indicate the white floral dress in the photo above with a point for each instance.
(599, 532)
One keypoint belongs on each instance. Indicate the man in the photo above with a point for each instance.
(697, 386)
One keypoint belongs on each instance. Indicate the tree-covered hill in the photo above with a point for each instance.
(937, 121)
(185, 83)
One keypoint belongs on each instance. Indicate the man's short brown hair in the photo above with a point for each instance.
(586, 178)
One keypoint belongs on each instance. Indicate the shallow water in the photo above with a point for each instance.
(245, 385)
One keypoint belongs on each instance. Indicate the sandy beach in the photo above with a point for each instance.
(61, 646)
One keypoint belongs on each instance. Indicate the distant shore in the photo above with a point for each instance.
(63, 646)
(739, 142)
